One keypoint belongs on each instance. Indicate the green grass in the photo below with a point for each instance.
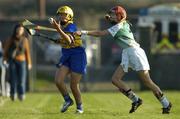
(96, 106)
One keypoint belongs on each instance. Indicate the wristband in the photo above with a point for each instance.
(83, 32)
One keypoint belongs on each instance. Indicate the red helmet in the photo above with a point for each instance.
(119, 11)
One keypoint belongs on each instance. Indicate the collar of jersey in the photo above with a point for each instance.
(69, 22)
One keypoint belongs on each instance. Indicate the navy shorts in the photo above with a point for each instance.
(74, 59)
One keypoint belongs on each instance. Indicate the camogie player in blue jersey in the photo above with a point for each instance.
(133, 56)
(73, 60)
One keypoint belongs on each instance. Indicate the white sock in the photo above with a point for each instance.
(131, 95)
(164, 102)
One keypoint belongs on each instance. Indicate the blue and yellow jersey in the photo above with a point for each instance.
(73, 55)
(69, 29)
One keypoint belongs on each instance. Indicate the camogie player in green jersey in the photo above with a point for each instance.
(133, 56)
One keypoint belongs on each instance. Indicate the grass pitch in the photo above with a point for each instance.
(96, 106)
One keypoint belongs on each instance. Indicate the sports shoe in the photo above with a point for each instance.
(66, 105)
(79, 111)
(135, 105)
(167, 110)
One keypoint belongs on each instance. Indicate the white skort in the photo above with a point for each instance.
(134, 58)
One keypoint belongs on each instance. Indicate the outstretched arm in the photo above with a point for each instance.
(93, 33)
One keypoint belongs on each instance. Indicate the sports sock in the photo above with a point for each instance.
(131, 95)
(67, 98)
(164, 101)
(79, 106)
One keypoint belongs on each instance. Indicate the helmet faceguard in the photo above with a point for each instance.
(116, 14)
(66, 10)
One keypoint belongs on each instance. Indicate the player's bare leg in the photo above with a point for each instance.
(75, 79)
(145, 77)
(117, 81)
(61, 74)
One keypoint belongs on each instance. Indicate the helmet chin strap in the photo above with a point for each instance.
(113, 22)
(64, 23)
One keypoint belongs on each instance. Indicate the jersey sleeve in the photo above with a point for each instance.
(71, 28)
(114, 29)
